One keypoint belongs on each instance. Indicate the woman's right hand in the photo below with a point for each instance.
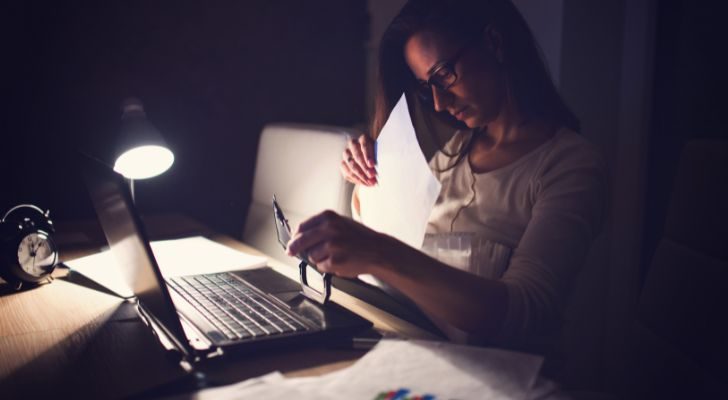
(358, 165)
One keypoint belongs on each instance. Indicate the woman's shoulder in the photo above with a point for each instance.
(570, 150)
(570, 141)
(573, 178)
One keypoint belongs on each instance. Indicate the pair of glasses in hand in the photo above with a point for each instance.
(283, 231)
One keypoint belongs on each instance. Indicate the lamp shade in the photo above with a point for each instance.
(141, 152)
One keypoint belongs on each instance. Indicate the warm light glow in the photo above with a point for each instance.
(144, 162)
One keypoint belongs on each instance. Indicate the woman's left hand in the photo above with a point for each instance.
(342, 246)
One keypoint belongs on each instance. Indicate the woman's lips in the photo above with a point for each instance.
(460, 113)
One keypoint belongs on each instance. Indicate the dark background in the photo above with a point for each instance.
(689, 97)
(210, 76)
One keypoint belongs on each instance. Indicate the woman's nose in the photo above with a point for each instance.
(441, 98)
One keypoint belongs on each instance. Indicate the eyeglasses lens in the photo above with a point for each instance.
(442, 78)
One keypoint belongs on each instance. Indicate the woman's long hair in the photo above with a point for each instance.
(528, 78)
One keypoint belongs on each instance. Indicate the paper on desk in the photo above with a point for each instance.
(199, 255)
(178, 257)
(444, 370)
(263, 387)
(439, 369)
(401, 203)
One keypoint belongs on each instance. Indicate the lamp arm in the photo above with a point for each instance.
(131, 189)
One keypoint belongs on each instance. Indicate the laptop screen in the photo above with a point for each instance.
(129, 244)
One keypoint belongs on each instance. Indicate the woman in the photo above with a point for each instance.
(515, 176)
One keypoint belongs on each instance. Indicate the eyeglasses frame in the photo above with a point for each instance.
(450, 65)
(283, 234)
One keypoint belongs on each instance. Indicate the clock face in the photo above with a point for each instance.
(37, 254)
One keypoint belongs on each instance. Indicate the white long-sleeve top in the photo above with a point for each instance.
(533, 221)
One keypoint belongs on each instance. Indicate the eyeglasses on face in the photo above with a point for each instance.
(442, 76)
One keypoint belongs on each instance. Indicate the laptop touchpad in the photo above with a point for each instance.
(268, 280)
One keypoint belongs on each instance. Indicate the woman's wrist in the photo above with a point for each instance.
(355, 205)
(394, 258)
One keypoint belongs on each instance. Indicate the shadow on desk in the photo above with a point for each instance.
(6, 289)
(116, 356)
(112, 356)
(70, 339)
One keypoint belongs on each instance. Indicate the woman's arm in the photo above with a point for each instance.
(344, 247)
(569, 200)
(468, 302)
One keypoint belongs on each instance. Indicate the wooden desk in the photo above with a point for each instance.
(67, 339)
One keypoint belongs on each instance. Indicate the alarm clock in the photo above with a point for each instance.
(28, 254)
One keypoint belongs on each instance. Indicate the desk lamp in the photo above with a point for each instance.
(141, 151)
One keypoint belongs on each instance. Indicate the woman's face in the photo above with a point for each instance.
(478, 95)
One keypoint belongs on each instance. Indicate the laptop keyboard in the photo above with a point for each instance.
(234, 308)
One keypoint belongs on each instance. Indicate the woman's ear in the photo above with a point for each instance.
(494, 42)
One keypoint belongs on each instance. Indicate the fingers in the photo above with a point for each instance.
(319, 253)
(317, 220)
(353, 172)
(317, 249)
(328, 257)
(332, 242)
(301, 242)
(349, 175)
(367, 145)
(358, 165)
(311, 232)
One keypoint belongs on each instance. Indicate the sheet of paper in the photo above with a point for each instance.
(419, 367)
(264, 387)
(401, 203)
(411, 368)
(199, 255)
(178, 257)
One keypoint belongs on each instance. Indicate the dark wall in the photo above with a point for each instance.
(211, 74)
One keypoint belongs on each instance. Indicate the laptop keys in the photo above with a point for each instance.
(234, 309)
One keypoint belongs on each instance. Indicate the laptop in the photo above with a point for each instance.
(208, 315)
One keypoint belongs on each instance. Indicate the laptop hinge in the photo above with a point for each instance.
(183, 354)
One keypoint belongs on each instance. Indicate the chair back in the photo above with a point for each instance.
(299, 163)
(679, 343)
